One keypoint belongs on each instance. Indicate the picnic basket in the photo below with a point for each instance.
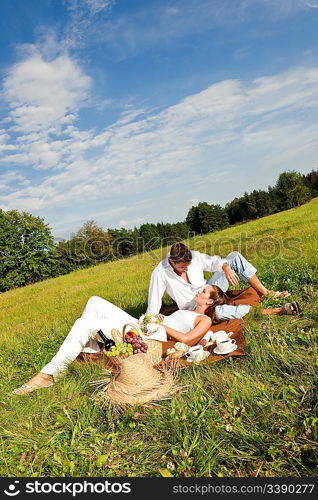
(154, 346)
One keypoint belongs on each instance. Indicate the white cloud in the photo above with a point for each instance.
(91, 7)
(207, 139)
(86, 18)
(10, 179)
(43, 98)
(311, 5)
(96, 6)
(42, 94)
(137, 221)
(170, 21)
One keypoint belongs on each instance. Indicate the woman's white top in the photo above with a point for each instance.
(182, 321)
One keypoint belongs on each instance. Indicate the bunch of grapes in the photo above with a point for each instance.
(122, 348)
(136, 343)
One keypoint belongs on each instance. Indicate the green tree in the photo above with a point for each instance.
(150, 236)
(273, 199)
(124, 242)
(250, 206)
(311, 181)
(258, 204)
(181, 229)
(291, 190)
(26, 249)
(170, 233)
(90, 245)
(236, 210)
(97, 243)
(205, 218)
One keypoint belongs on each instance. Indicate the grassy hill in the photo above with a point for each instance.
(253, 416)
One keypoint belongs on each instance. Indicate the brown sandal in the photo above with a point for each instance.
(291, 309)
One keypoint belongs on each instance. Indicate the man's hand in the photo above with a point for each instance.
(231, 275)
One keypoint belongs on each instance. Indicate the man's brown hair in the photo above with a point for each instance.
(180, 253)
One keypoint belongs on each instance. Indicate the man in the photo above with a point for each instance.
(180, 274)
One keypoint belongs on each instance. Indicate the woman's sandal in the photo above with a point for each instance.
(291, 308)
(26, 389)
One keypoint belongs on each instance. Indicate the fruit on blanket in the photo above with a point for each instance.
(133, 331)
(121, 348)
(136, 343)
(129, 335)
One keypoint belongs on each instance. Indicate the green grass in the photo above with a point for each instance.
(251, 416)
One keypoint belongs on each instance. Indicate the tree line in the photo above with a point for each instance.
(28, 252)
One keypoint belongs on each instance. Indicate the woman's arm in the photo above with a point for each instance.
(201, 326)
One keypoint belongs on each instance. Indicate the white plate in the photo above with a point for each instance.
(228, 352)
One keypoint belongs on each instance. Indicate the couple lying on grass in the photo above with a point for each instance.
(199, 304)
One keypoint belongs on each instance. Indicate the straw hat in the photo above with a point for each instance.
(139, 382)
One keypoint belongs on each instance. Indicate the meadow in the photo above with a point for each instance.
(250, 416)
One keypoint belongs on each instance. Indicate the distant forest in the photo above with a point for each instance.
(28, 252)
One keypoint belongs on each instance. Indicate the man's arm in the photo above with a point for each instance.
(211, 263)
(231, 275)
(157, 288)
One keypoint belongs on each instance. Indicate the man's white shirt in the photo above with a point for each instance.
(165, 279)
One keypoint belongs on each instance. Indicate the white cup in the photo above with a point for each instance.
(221, 336)
(226, 346)
(196, 354)
(214, 337)
(195, 348)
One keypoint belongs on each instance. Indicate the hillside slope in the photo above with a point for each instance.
(245, 417)
(290, 236)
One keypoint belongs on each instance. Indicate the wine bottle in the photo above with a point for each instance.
(108, 343)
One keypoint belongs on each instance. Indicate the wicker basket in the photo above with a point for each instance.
(154, 346)
(114, 362)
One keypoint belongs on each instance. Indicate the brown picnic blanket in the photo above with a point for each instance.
(247, 296)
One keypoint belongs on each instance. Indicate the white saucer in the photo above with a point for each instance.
(228, 352)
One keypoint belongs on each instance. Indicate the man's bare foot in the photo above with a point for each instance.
(273, 311)
(40, 380)
(290, 308)
(276, 295)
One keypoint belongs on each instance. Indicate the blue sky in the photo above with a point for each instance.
(131, 111)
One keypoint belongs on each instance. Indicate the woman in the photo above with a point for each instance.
(183, 326)
(101, 314)
(207, 301)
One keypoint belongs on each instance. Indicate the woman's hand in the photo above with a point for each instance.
(231, 276)
(160, 317)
